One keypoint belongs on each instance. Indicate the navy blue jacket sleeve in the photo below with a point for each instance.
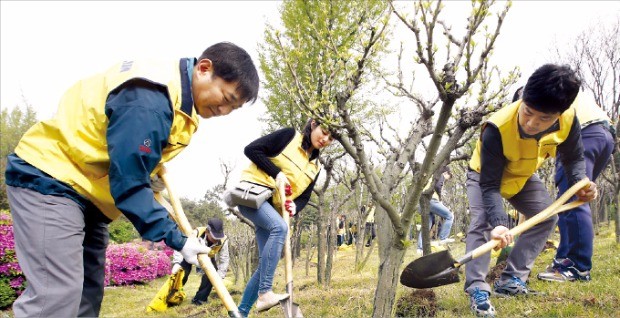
(492, 163)
(140, 118)
(570, 153)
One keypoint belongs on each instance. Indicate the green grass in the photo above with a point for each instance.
(351, 294)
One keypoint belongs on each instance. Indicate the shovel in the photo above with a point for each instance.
(177, 214)
(290, 309)
(441, 268)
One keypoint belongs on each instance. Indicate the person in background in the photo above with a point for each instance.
(573, 260)
(513, 144)
(341, 230)
(283, 158)
(213, 237)
(370, 225)
(437, 208)
(73, 174)
(352, 230)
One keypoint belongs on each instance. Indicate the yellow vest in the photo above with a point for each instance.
(429, 184)
(72, 147)
(295, 165)
(523, 156)
(588, 112)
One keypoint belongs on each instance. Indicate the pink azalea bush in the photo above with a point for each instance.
(132, 263)
(12, 281)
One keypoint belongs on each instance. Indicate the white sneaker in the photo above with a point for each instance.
(446, 241)
(420, 252)
(268, 300)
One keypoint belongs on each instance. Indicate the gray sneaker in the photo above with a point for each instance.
(564, 270)
(514, 286)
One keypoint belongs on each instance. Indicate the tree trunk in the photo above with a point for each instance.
(320, 230)
(296, 237)
(331, 235)
(359, 243)
(617, 218)
(252, 262)
(594, 212)
(425, 204)
(309, 250)
(391, 255)
(606, 211)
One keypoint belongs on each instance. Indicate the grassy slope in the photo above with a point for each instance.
(351, 293)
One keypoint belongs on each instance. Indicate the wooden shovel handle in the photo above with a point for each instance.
(288, 257)
(180, 218)
(555, 208)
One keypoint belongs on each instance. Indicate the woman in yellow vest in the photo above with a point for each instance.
(284, 157)
(73, 174)
(513, 144)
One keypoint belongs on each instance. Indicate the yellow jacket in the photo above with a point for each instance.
(523, 156)
(72, 148)
(588, 112)
(296, 166)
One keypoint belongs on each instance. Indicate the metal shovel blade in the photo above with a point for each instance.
(432, 270)
(290, 309)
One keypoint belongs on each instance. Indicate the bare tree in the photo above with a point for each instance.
(328, 61)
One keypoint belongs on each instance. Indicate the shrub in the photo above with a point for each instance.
(132, 263)
(12, 280)
(122, 231)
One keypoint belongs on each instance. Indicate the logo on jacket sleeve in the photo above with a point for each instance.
(145, 146)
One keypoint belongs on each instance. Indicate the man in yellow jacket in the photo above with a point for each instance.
(514, 143)
(73, 174)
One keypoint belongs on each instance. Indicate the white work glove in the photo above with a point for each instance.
(281, 180)
(192, 248)
(290, 207)
(175, 268)
(157, 184)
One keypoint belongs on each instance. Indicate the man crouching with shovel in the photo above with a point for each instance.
(514, 143)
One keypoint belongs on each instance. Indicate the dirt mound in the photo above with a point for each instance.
(495, 272)
(419, 303)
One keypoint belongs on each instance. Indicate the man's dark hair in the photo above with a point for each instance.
(551, 89)
(233, 64)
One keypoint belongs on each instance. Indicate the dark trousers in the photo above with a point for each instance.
(205, 284)
(576, 230)
(370, 231)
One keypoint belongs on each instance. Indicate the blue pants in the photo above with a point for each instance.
(437, 208)
(270, 235)
(576, 230)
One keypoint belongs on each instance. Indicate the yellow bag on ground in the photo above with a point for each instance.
(170, 294)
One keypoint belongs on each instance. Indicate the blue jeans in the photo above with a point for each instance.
(576, 230)
(270, 235)
(437, 208)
